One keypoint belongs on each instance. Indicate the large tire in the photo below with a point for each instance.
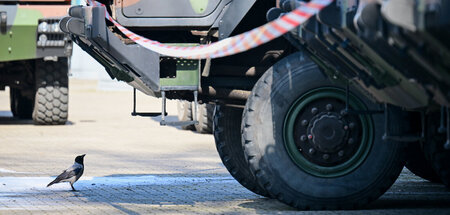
(185, 113)
(227, 135)
(273, 125)
(438, 157)
(418, 164)
(21, 106)
(205, 116)
(52, 96)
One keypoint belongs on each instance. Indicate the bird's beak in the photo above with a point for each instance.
(83, 155)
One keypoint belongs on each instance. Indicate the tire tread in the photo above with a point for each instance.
(226, 132)
(51, 99)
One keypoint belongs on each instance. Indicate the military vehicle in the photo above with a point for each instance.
(34, 59)
(323, 118)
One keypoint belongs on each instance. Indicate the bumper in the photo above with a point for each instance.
(131, 63)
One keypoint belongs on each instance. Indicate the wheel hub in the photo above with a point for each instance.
(329, 138)
(328, 133)
(322, 137)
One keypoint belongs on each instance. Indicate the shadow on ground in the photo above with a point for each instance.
(404, 197)
(169, 119)
(6, 118)
(202, 190)
(118, 191)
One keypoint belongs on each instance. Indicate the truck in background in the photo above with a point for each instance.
(34, 59)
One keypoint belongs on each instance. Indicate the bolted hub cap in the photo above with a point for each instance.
(322, 138)
(328, 133)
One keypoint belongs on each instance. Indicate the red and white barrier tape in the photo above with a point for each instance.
(231, 45)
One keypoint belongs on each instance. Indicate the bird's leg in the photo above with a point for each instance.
(73, 189)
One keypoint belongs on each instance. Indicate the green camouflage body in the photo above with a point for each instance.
(18, 39)
(157, 8)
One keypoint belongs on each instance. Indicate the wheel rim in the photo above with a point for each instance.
(321, 138)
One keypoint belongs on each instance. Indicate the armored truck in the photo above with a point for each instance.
(325, 117)
(34, 59)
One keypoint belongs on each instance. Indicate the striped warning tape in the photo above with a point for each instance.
(231, 45)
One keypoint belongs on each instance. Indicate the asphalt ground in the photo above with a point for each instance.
(135, 166)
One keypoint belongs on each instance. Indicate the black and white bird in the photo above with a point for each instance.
(71, 174)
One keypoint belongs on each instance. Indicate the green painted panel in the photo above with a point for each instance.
(187, 74)
(188, 71)
(199, 6)
(19, 43)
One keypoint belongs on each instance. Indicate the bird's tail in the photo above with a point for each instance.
(53, 182)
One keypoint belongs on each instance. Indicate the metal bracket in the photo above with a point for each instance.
(405, 138)
(179, 123)
(143, 114)
(357, 112)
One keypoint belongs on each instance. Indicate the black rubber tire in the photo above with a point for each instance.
(433, 147)
(418, 164)
(227, 135)
(51, 105)
(185, 113)
(21, 106)
(262, 130)
(12, 101)
(205, 117)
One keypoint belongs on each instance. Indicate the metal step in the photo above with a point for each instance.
(178, 123)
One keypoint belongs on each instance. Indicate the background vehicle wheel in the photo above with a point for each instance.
(227, 134)
(433, 147)
(21, 106)
(52, 96)
(418, 164)
(12, 102)
(205, 117)
(305, 150)
(185, 113)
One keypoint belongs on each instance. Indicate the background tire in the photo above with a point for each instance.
(433, 147)
(205, 115)
(21, 106)
(418, 164)
(185, 113)
(270, 102)
(52, 96)
(227, 135)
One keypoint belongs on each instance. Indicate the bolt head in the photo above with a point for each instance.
(326, 156)
(314, 110)
(310, 137)
(351, 125)
(303, 138)
(329, 107)
(304, 122)
(341, 153)
(311, 151)
(345, 127)
(343, 112)
(351, 141)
